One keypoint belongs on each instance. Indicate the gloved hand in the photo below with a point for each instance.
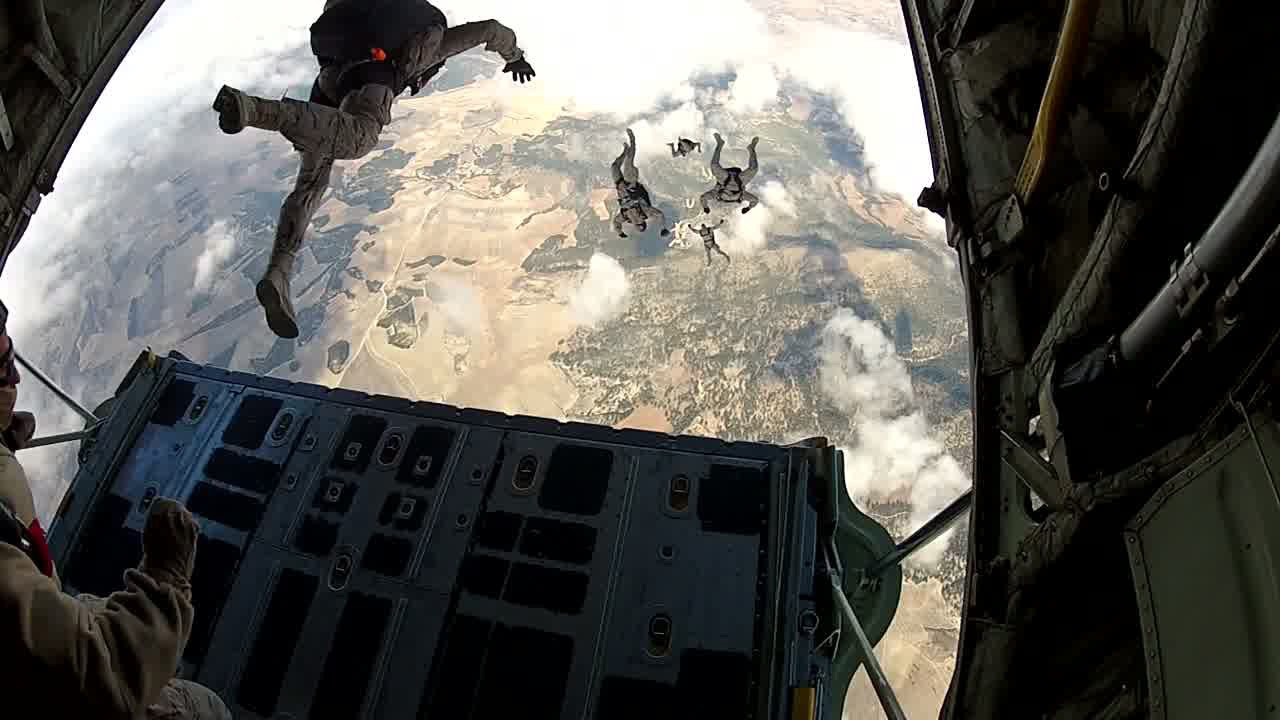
(665, 232)
(22, 427)
(169, 543)
(521, 71)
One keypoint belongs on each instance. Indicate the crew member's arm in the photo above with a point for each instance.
(110, 661)
(495, 37)
(751, 201)
(617, 223)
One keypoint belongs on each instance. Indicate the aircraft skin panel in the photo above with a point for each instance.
(1204, 553)
(373, 557)
(979, 642)
(57, 59)
(1050, 625)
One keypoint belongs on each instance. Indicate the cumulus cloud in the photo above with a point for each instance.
(776, 197)
(460, 303)
(749, 233)
(893, 453)
(600, 58)
(653, 134)
(874, 83)
(603, 293)
(219, 244)
(754, 88)
(871, 76)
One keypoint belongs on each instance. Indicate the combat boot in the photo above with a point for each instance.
(273, 293)
(238, 110)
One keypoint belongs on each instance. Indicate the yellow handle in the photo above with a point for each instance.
(1076, 27)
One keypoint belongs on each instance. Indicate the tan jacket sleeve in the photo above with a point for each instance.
(79, 660)
(495, 37)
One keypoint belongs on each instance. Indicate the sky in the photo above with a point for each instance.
(642, 68)
(192, 47)
(640, 64)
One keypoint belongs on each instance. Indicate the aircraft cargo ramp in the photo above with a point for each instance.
(374, 557)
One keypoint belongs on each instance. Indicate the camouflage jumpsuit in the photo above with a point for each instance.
(341, 121)
(179, 699)
(634, 205)
(709, 241)
(683, 147)
(719, 192)
(323, 130)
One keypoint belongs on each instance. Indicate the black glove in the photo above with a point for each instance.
(665, 232)
(521, 71)
(169, 543)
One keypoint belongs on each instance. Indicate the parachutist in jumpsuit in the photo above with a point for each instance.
(709, 241)
(84, 656)
(634, 205)
(731, 183)
(683, 147)
(349, 106)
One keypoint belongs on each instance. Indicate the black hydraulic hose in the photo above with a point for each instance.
(1241, 227)
(1164, 141)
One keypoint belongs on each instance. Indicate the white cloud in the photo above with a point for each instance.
(755, 87)
(199, 45)
(871, 76)
(219, 243)
(460, 303)
(893, 454)
(776, 196)
(652, 135)
(749, 233)
(601, 57)
(873, 79)
(603, 293)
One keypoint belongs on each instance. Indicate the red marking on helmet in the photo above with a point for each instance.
(378, 54)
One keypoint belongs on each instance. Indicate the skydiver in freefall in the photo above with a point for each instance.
(683, 147)
(731, 183)
(634, 205)
(369, 51)
(709, 241)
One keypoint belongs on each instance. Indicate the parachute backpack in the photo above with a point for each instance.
(733, 179)
(634, 194)
(359, 30)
